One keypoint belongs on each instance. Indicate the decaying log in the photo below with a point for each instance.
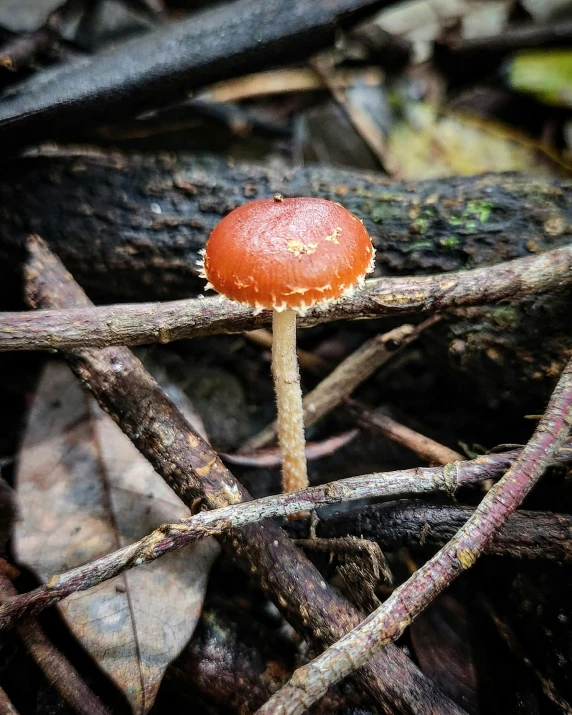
(130, 227)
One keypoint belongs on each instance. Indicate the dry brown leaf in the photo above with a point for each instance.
(83, 491)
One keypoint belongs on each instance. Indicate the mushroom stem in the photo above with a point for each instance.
(289, 401)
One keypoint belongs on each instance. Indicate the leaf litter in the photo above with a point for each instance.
(84, 490)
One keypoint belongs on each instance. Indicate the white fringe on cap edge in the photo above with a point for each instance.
(303, 308)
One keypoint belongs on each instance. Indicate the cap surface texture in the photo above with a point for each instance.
(287, 253)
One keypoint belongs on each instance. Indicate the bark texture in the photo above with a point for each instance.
(167, 537)
(138, 222)
(406, 602)
(131, 227)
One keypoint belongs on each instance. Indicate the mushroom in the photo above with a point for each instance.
(288, 255)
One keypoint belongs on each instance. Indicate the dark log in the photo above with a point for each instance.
(527, 534)
(131, 227)
(100, 213)
(165, 65)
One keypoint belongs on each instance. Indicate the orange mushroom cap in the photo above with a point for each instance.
(288, 253)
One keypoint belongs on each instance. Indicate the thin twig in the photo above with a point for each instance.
(428, 449)
(169, 537)
(281, 81)
(188, 464)
(513, 38)
(54, 665)
(270, 457)
(135, 324)
(389, 621)
(347, 376)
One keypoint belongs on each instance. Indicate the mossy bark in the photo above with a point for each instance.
(130, 228)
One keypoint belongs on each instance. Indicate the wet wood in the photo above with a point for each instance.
(131, 227)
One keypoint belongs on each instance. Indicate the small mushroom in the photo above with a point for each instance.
(288, 255)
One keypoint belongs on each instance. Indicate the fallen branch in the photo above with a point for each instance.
(135, 324)
(168, 537)
(163, 66)
(389, 621)
(428, 449)
(460, 56)
(369, 132)
(342, 381)
(526, 534)
(270, 457)
(283, 81)
(99, 211)
(128, 393)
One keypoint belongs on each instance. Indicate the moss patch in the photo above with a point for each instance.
(449, 242)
